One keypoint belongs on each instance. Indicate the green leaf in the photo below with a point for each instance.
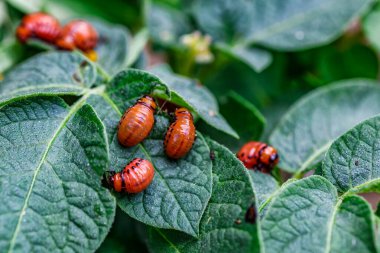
(353, 229)
(129, 85)
(113, 47)
(255, 58)
(178, 195)
(289, 26)
(265, 185)
(166, 24)
(294, 25)
(137, 47)
(50, 197)
(329, 58)
(10, 53)
(307, 216)
(46, 73)
(186, 92)
(371, 27)
(226, 21)
(249, 122)
(307, 130)
(232, 194)
(352, 163)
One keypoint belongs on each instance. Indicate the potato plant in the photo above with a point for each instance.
(298, 75)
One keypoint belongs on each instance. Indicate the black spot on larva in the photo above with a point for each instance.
(356, 163)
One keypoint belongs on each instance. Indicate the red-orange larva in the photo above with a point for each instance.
(137, 122)
(135, 177)
(181, 134)
(40, 26)
(77, 34)
(258, 156)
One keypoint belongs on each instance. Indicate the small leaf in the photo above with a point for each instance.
(50, 197)
(307, 130)
(47, 73)
(222, 227)
(129, 85)
(307, 216)
(352, 163)
(137, 47)
(264, 185)
(255, 58)
(371, 27)
(113, 47)
(186, 92)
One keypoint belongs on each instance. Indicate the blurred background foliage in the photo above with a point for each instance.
(259, 82)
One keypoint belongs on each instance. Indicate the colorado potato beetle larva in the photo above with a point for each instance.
(77, 34)
(134, 178)
(40, 26)
(137, 122)
(181, 134)
(258, 156)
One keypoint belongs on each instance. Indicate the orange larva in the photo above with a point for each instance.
(137, 122)
(181, 134)
(40, 26)
(77, 34)
(258, 156)
(135, 177)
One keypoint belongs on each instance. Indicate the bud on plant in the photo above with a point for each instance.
(199, 46)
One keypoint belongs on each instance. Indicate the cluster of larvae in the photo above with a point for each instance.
(77, 34)
(134, 126)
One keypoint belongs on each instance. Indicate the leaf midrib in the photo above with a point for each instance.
(71, 112)
(331, 222)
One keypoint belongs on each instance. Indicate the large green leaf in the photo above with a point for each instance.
(179, 193)
(308, 216)
(186, 92)
(306, 132)
(50, 196)
(295, 24)
(47, 73)
(290, 25)
(353, 161)
(222, 227)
